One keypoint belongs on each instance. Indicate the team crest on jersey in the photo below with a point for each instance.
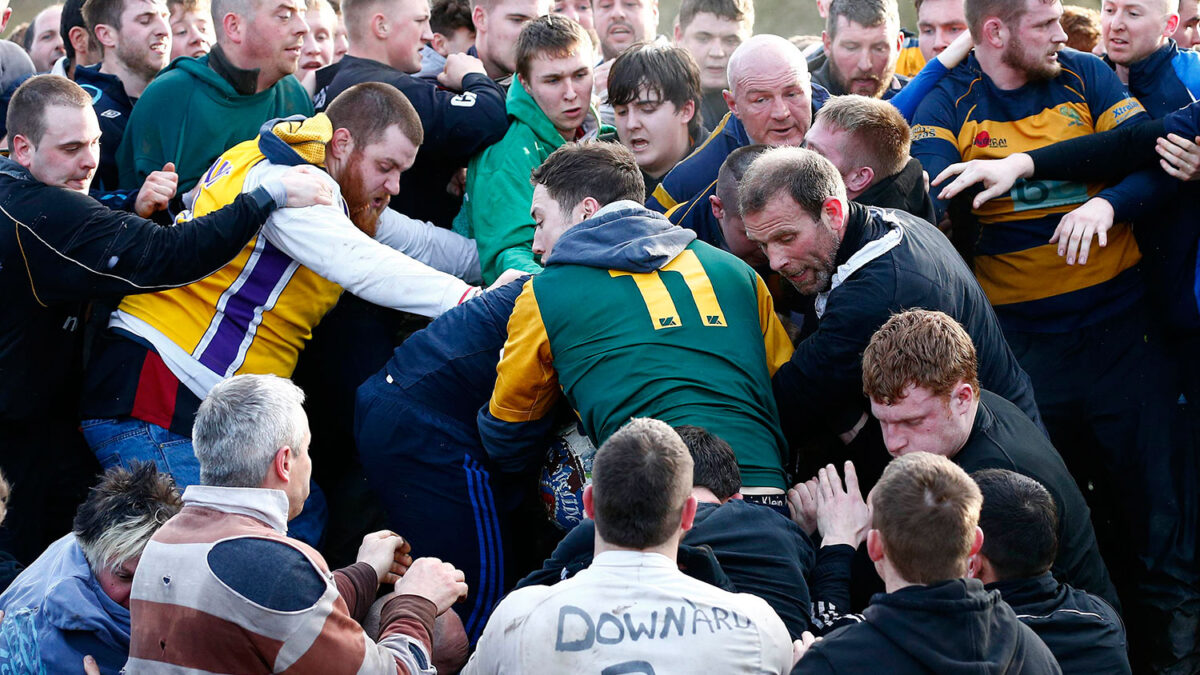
(1072, 115)
(216, 172)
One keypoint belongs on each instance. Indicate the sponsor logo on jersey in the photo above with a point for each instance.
(984, 140)
(921, 131)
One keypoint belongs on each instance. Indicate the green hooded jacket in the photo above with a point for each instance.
(495, 210)
(189, 115)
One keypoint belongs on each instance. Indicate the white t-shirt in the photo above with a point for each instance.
(632, 613)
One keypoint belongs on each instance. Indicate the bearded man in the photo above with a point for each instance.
(166, 351)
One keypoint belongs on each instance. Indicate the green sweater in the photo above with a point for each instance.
(189, 115)
(495, 212)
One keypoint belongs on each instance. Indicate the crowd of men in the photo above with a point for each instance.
(377, 336)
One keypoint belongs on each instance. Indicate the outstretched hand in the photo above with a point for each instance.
(1076, 229)
(997, 175)
(842, 515)
(1180, 157)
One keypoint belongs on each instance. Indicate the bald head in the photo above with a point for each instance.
(770, 90)
(765, 54)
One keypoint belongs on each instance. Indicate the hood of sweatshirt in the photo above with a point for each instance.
(950, 627)
(624, 236)
(296, 140)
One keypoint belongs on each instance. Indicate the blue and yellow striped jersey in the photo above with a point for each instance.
(911, 60)
(967, 117)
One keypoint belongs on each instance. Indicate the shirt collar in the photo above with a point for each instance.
(633, 559)
(269, 506)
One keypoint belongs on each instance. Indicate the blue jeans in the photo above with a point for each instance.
(121, 441)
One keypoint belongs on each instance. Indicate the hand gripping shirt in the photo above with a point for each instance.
(967, 117)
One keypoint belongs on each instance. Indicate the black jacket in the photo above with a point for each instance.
(949, 628)
(59, 248)
(1004, 438)
(761, 552)
(457, 126)
(904, 191)
(1083, 632)
(821, 387)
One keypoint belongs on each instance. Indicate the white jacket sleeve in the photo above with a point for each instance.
(323, 239)
(439, 248)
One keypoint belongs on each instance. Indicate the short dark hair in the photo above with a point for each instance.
(734, 10)
(606, 172)
(641, 479)
(122, 512)
(926, 508)
(714, 464)
(1019, 522)
(802, 174)
(553, 35)
(866, 13)
(72, 16)
(731, 173)
(447, 16)
(102, 12)
(668, 71)
(369, 109)
(27, 109)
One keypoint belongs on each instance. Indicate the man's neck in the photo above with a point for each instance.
(1000, 73)
(370, 49)
(133, 83)
(668, 549)
(970, 427)
(493, 69)
(264, 79)
(704, 495)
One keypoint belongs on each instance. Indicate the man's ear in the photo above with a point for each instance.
(341, 144)
(589, 504)
(281, 465)
(438, 43)
(232, 25)
(78, 36)
(825, 41)
(106, 35)
(728, 96)
(834, 213)
(689, 513)
(977, 545)
(718, 208)
(479, 18)
(860, 179)
(678, 32)
(875, 548)
(1168, 31)
(994, 32)
(380, 26)
(961, 398)
(587, 208)
(688, 110)
(21, 150)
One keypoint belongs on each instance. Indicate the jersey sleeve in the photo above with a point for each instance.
(909, 98)
(1184, 122)
(1110, 102)
(935, 137)
(323, 239)
(518, 414)
(775, 338)
(439, 248)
